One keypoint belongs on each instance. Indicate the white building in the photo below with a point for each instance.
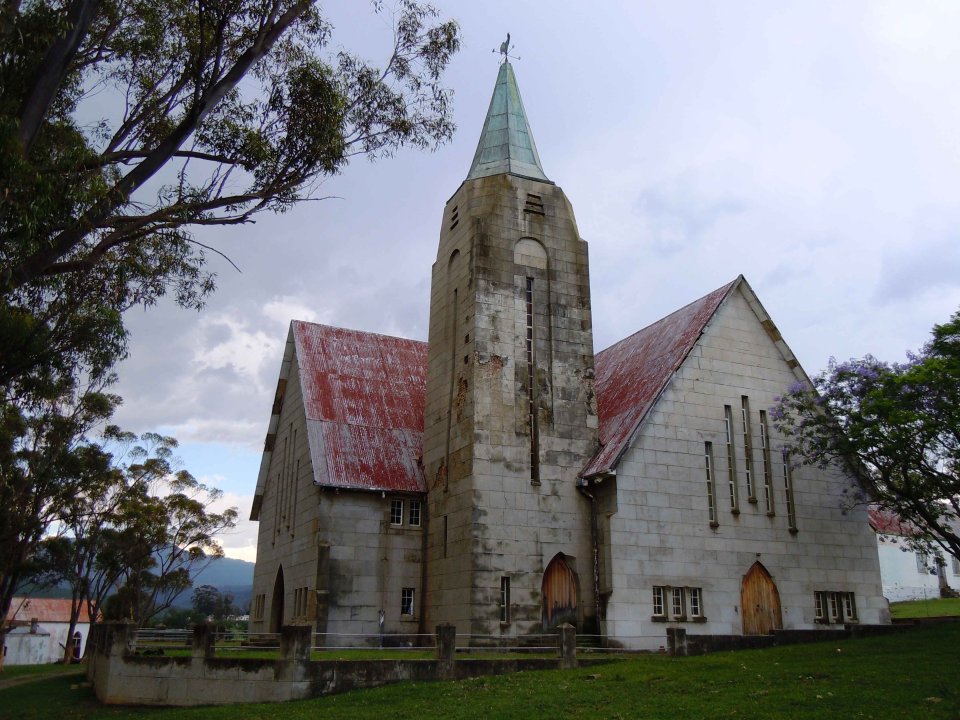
(40, 629)
(907, 573)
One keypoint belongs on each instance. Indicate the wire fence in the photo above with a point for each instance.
(234, 643)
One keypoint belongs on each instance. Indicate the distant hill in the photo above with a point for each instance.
(228, 575)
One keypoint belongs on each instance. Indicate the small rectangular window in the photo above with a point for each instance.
(504, 599)
(955, 565)
(678, 609)
(444, 535)
(696, 602)
(396, 512)
(415, 513)
(406, 601)
(819, 610)
(834, 607)
(658, 599)
(849, 607)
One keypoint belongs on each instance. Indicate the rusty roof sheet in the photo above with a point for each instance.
(886, 522)
(631, 374)
(363, 395)
(49, 610)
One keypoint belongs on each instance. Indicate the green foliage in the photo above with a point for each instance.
(209, 603)
(896, 426)
(905, 675)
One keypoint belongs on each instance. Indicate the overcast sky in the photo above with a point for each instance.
(811, 146)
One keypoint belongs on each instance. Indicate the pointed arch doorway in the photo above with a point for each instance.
(760, 602)
(559, 593)
(276, 604)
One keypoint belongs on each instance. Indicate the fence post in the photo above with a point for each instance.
(567, 646)
(295, 642)
(446, 648)
(203, 641)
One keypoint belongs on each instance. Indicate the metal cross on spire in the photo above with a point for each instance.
(505, 48)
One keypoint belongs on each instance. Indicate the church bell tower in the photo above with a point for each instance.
(510, 415)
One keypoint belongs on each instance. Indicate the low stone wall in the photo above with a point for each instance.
(121, 678)
(682, 643)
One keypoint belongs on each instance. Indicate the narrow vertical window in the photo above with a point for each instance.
(711, 486)
(819, 611)
(504, 599)
(696, 603)
(658, 600)
(849, 607)
(396, 512)
(731, 461)
(678, 610)
(415, 513)
(767, 468)
(788, 488)
(453, 381)
(406, 601)
(444, 535)
(747, 447)
(834, 607)
(531, 395)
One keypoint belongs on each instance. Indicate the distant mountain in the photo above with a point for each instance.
(228, 575)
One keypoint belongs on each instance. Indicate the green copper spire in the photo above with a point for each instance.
(506, 143)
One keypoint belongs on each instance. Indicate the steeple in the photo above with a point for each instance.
(506, 143)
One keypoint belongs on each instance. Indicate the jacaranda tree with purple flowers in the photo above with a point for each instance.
(895, 426)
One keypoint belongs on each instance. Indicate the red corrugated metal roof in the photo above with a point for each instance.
(889, 523)
(363, 396)
(23, 610)
(631, 374)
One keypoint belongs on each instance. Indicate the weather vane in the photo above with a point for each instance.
(505, 48)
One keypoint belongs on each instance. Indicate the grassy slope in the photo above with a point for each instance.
(935, 607)
(908, 675)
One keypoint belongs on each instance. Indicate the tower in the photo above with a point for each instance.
(510, 416)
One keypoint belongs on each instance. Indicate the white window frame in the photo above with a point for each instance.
(504, 598)
(407, 604)
(415, 516)
(678, 603)
(695, 600)
(396, 512)
(659, 607)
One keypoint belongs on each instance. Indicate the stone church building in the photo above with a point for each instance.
(504, 478)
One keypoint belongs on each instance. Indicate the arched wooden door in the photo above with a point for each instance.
(276, 604)
(559, 593)
(759, 602)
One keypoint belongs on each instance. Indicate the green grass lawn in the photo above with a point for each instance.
(913, 674)
(935, 607)
(17, 671)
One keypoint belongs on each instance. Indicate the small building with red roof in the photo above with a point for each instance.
(39, 629)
